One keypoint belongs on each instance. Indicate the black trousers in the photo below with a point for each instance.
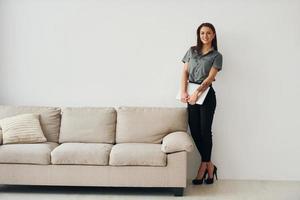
(200, 118)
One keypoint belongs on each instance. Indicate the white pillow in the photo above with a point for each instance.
(23, 128)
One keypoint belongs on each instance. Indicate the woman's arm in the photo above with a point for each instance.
(211, 77)
(184, 79)
(204, 85)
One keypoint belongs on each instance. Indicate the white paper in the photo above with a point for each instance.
(191, 87)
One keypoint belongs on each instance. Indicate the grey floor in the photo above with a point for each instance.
(221, 190)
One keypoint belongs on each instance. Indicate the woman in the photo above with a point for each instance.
(201, 65)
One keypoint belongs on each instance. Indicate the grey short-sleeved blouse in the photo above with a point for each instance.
(199, 65)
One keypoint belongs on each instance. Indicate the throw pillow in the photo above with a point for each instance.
(23, 128)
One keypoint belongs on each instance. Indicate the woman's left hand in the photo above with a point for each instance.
(193, 98)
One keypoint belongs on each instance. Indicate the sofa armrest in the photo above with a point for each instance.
(177, 141)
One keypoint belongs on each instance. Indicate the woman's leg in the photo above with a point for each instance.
(207, 113)
(194, 124)
(207, 110)
(202, 169)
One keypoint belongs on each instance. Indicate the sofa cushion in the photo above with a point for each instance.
(27, 153)
(137, 154)
(24, 128)
(81, 153)
(49, 118)
(92, 125)
(148, 125)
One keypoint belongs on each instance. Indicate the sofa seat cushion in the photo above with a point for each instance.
(81, 154)
(137, 154)
(38, 153)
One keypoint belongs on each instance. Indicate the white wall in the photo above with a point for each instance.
(111, 53)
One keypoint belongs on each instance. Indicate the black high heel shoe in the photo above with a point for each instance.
(200, 181)
(211, 180)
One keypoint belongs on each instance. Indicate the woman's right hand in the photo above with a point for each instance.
(184, 97)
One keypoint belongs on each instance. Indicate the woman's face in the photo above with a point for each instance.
(206, 35)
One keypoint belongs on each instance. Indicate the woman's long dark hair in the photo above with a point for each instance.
(199, 42)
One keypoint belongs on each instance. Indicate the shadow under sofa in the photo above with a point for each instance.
(105, 146)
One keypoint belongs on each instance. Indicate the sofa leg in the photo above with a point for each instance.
(178, 191)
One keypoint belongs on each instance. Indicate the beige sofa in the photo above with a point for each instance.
(115, 147)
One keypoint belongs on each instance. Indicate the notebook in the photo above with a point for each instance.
(191, 87)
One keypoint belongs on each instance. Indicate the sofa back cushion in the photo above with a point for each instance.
(86, 124)
(49, 118)
(148, 124)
